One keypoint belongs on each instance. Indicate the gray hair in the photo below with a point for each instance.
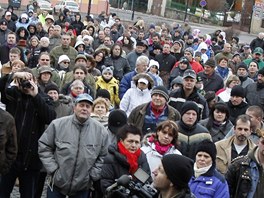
(142, 60)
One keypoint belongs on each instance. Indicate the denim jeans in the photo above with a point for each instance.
(56, 194)
(27, 183)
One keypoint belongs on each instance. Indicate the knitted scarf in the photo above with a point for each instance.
(132, 158)
(223, 71)
(200, 171)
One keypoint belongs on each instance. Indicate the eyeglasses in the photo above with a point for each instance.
(66, 62)
(45, 59)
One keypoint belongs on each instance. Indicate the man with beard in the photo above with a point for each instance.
(255, 91)
(238, 144)
(257, 56)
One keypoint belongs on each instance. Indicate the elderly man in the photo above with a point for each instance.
(64, 48)
(245, 174)
(72, 150)
(236, 145)
(225, 52)
(148, 115)
(171, 177)
(141, 67)
(257, 42)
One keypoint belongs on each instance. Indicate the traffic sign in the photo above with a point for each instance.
(203, 3)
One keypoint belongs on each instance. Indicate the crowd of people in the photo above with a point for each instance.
(87, 101)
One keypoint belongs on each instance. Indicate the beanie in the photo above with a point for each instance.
(207, 146)
(238, 91)
(162, 91)
(189, 49)
(50, 87)
(116, 119)
(189, 105)
(242, 65)
(210, 62)
(103, 93)
(261, 71)
(179, 169)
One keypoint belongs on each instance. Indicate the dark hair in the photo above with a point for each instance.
(126, 129)
(220, 106)
(98, 52)
(244, 118)
(79, 66)
(173, 128)
(112, 49)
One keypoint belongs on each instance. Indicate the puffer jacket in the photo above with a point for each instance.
(255, 95)
(112, 87)
(116, 165)
(209, 185)
(74, 157)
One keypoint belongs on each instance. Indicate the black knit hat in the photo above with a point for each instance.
(210, 62)
(162, 91)
(238, 91)
(179, 169)
(207, 146)
(261, 71)
(50, 87)
(242, 65)
(190, 105)
(103, 93)
(117, 118)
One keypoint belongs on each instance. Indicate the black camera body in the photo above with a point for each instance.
(25, 84)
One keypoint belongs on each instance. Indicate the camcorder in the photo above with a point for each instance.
(25, 84)
(126, 187)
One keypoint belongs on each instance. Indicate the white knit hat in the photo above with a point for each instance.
(63, 58)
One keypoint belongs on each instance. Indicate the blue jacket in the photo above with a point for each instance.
(209, 185)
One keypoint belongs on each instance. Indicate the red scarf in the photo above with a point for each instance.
(132, 158)
(156, 111)
(161, 149)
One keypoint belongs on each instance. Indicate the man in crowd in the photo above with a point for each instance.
(190, 131)
(257, 56)
(236, 145)
(225, 52)
(72, 150)
(188, 92)
(5, 47)
(245, 174)
(148, 115)
(171, 177)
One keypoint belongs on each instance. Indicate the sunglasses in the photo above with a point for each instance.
(66, 62)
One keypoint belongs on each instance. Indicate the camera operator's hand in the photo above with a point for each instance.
(23, 75)
(33, 90)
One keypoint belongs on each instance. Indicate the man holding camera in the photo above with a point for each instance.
(32, 110)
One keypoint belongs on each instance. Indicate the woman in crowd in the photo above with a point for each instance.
(44, 77)
(207, 181)
(138, 95)
(253, 70)
(100, 111)
(99, 57)
(222, 68)
(124, 156)
(218, 123)
(163, 142)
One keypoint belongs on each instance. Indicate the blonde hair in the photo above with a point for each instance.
(19, 62)
(100, 101)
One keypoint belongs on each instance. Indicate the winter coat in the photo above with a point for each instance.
(31, 115)
(224, 150)
(116, 165)
(209, 185)
(190, 137)
(3, 36)
(121, 66)
(54, 77)
(8, 141)
(112, 87)
(166, 62)
(134, 97)
(257, 42)
(78, 26)
(75, 157)
(218, 132)
(139, 114)
(213, 82)
(255, 95)
(153, 156)
(177, 99)
(54, 41)
(132, 58)
(4, 55)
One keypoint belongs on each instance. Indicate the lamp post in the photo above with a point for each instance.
(89, 7)
(186, 9)
(133, 10)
